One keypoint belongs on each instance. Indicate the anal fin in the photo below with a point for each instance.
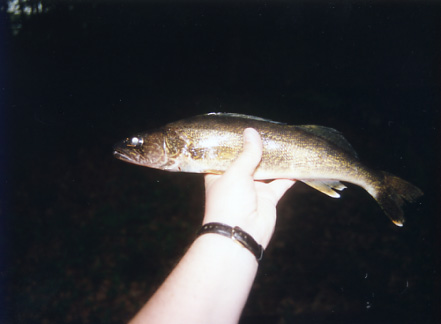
(327, 187)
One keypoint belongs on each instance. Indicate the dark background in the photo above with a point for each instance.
(87, 238)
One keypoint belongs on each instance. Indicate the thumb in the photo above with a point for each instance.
(251, 155)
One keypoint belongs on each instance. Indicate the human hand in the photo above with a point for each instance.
(236, 199)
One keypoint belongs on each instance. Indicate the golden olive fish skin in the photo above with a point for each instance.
(319, 156)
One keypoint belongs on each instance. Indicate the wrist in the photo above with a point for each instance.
(260, 229)
(223, 250)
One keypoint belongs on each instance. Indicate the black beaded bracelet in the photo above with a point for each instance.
(235, 233)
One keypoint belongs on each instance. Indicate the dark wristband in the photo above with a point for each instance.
(235, 233)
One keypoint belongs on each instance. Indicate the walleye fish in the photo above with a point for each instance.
(318, 156)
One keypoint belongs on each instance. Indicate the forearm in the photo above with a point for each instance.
(209, 285)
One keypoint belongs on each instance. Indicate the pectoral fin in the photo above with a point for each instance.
(214, 171)
(328, 187)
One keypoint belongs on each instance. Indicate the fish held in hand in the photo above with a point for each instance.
(318, 156)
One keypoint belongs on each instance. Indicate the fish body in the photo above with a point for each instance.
(318, 156)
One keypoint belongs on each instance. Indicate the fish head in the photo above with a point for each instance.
(160, 149)
(147, 149)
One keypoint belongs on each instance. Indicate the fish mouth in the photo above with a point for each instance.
(122, 156)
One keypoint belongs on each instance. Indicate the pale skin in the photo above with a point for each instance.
(212, 281)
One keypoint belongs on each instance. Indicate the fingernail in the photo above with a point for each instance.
(247, 134)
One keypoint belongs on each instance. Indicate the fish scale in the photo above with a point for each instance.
(319, 156)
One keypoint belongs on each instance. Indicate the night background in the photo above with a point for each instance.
(86, 238)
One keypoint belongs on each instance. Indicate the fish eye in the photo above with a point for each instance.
(136, 142)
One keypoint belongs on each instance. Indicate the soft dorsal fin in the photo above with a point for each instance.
(332, 135)
(234, 115)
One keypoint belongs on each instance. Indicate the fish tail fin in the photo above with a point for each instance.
(392, 194)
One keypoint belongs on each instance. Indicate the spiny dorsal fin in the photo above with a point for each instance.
(327, 133)
(234, 115)
(332, 135)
